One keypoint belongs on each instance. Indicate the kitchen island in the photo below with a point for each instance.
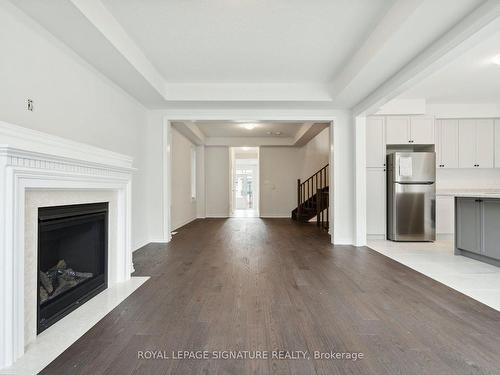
(477, 226)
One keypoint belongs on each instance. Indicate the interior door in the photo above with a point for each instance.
(467, 143)
(485, 143)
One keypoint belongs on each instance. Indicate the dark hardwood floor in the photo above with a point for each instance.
(252, 284)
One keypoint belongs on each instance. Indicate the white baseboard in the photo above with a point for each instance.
(375, 236)
(223, 216)
(276, 216)
(343, 241)
(445, 236)
(141, 244)
(183, 223)
(159, 241)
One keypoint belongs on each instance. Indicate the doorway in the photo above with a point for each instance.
(244, 201)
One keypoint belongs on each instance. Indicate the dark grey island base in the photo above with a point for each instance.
(477, 228)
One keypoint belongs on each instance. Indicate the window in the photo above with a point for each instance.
(193, 173)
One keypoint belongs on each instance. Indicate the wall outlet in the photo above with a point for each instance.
(29, 105)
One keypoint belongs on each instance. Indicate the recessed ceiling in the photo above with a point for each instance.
(261, 129)
(248, 41)
(471, 78)
(311, 54)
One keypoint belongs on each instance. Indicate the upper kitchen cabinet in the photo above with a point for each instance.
(375, 142)
(497, 143)
(476, 143)
(485, 143)
(409, 130)
(422, 130)
(397, 130)
(447, 143)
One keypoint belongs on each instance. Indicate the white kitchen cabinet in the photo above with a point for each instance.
(409, 130)
(485, 143)
(445, 214)
(476, 143)
(375, 202)
(375, 142)
(422, 130)
(497, 143)
(467, 143)
(397, 130)
(447, 143)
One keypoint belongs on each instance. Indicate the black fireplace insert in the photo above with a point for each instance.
(72, 258)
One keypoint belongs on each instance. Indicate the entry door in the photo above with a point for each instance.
(243, 188)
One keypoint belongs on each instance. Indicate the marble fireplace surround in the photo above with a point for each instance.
(35, 169)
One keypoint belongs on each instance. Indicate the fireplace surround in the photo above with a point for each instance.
(69, 172)
(72, 258)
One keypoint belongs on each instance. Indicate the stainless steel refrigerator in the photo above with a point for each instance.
(411, 196)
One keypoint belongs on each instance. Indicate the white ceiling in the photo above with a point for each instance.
(470, 78)
(248, 41)
(287, 54)
(233, 129)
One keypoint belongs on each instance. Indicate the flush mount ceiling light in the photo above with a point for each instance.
(496, 60)
(248, 126)
(273, 133)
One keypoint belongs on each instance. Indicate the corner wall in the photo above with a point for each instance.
(183, 206)
(217, 181)
(279, 170)
(71, 100)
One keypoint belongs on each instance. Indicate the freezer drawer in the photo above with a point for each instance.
(412, 212)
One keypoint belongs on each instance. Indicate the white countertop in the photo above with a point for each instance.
(479, 193)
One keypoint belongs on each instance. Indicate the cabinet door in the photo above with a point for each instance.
(490, 225)
(448, 143)
(375, 142)
(375, 201)
(445, 215)
(497, 144)
(397, 130)
(468, 225)
(484, 143)
(467, 143)
(422, 130)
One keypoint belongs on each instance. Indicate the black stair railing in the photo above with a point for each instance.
(308, 198)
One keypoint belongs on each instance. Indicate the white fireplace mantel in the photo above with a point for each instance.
(31, 160)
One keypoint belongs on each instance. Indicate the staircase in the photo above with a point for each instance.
(313, 199)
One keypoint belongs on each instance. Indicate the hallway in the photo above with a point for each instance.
(254, 284)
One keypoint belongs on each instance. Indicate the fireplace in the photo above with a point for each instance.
(72, 258)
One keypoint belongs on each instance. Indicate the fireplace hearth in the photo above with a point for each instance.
(72, 258)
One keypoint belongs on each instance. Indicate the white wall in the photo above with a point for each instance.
(279, 170)
(217, 181)
(155, 173)
(315, 154)
(183, 206)
(71, 100)
(282, 166)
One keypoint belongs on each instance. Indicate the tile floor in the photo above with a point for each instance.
(475, 279)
